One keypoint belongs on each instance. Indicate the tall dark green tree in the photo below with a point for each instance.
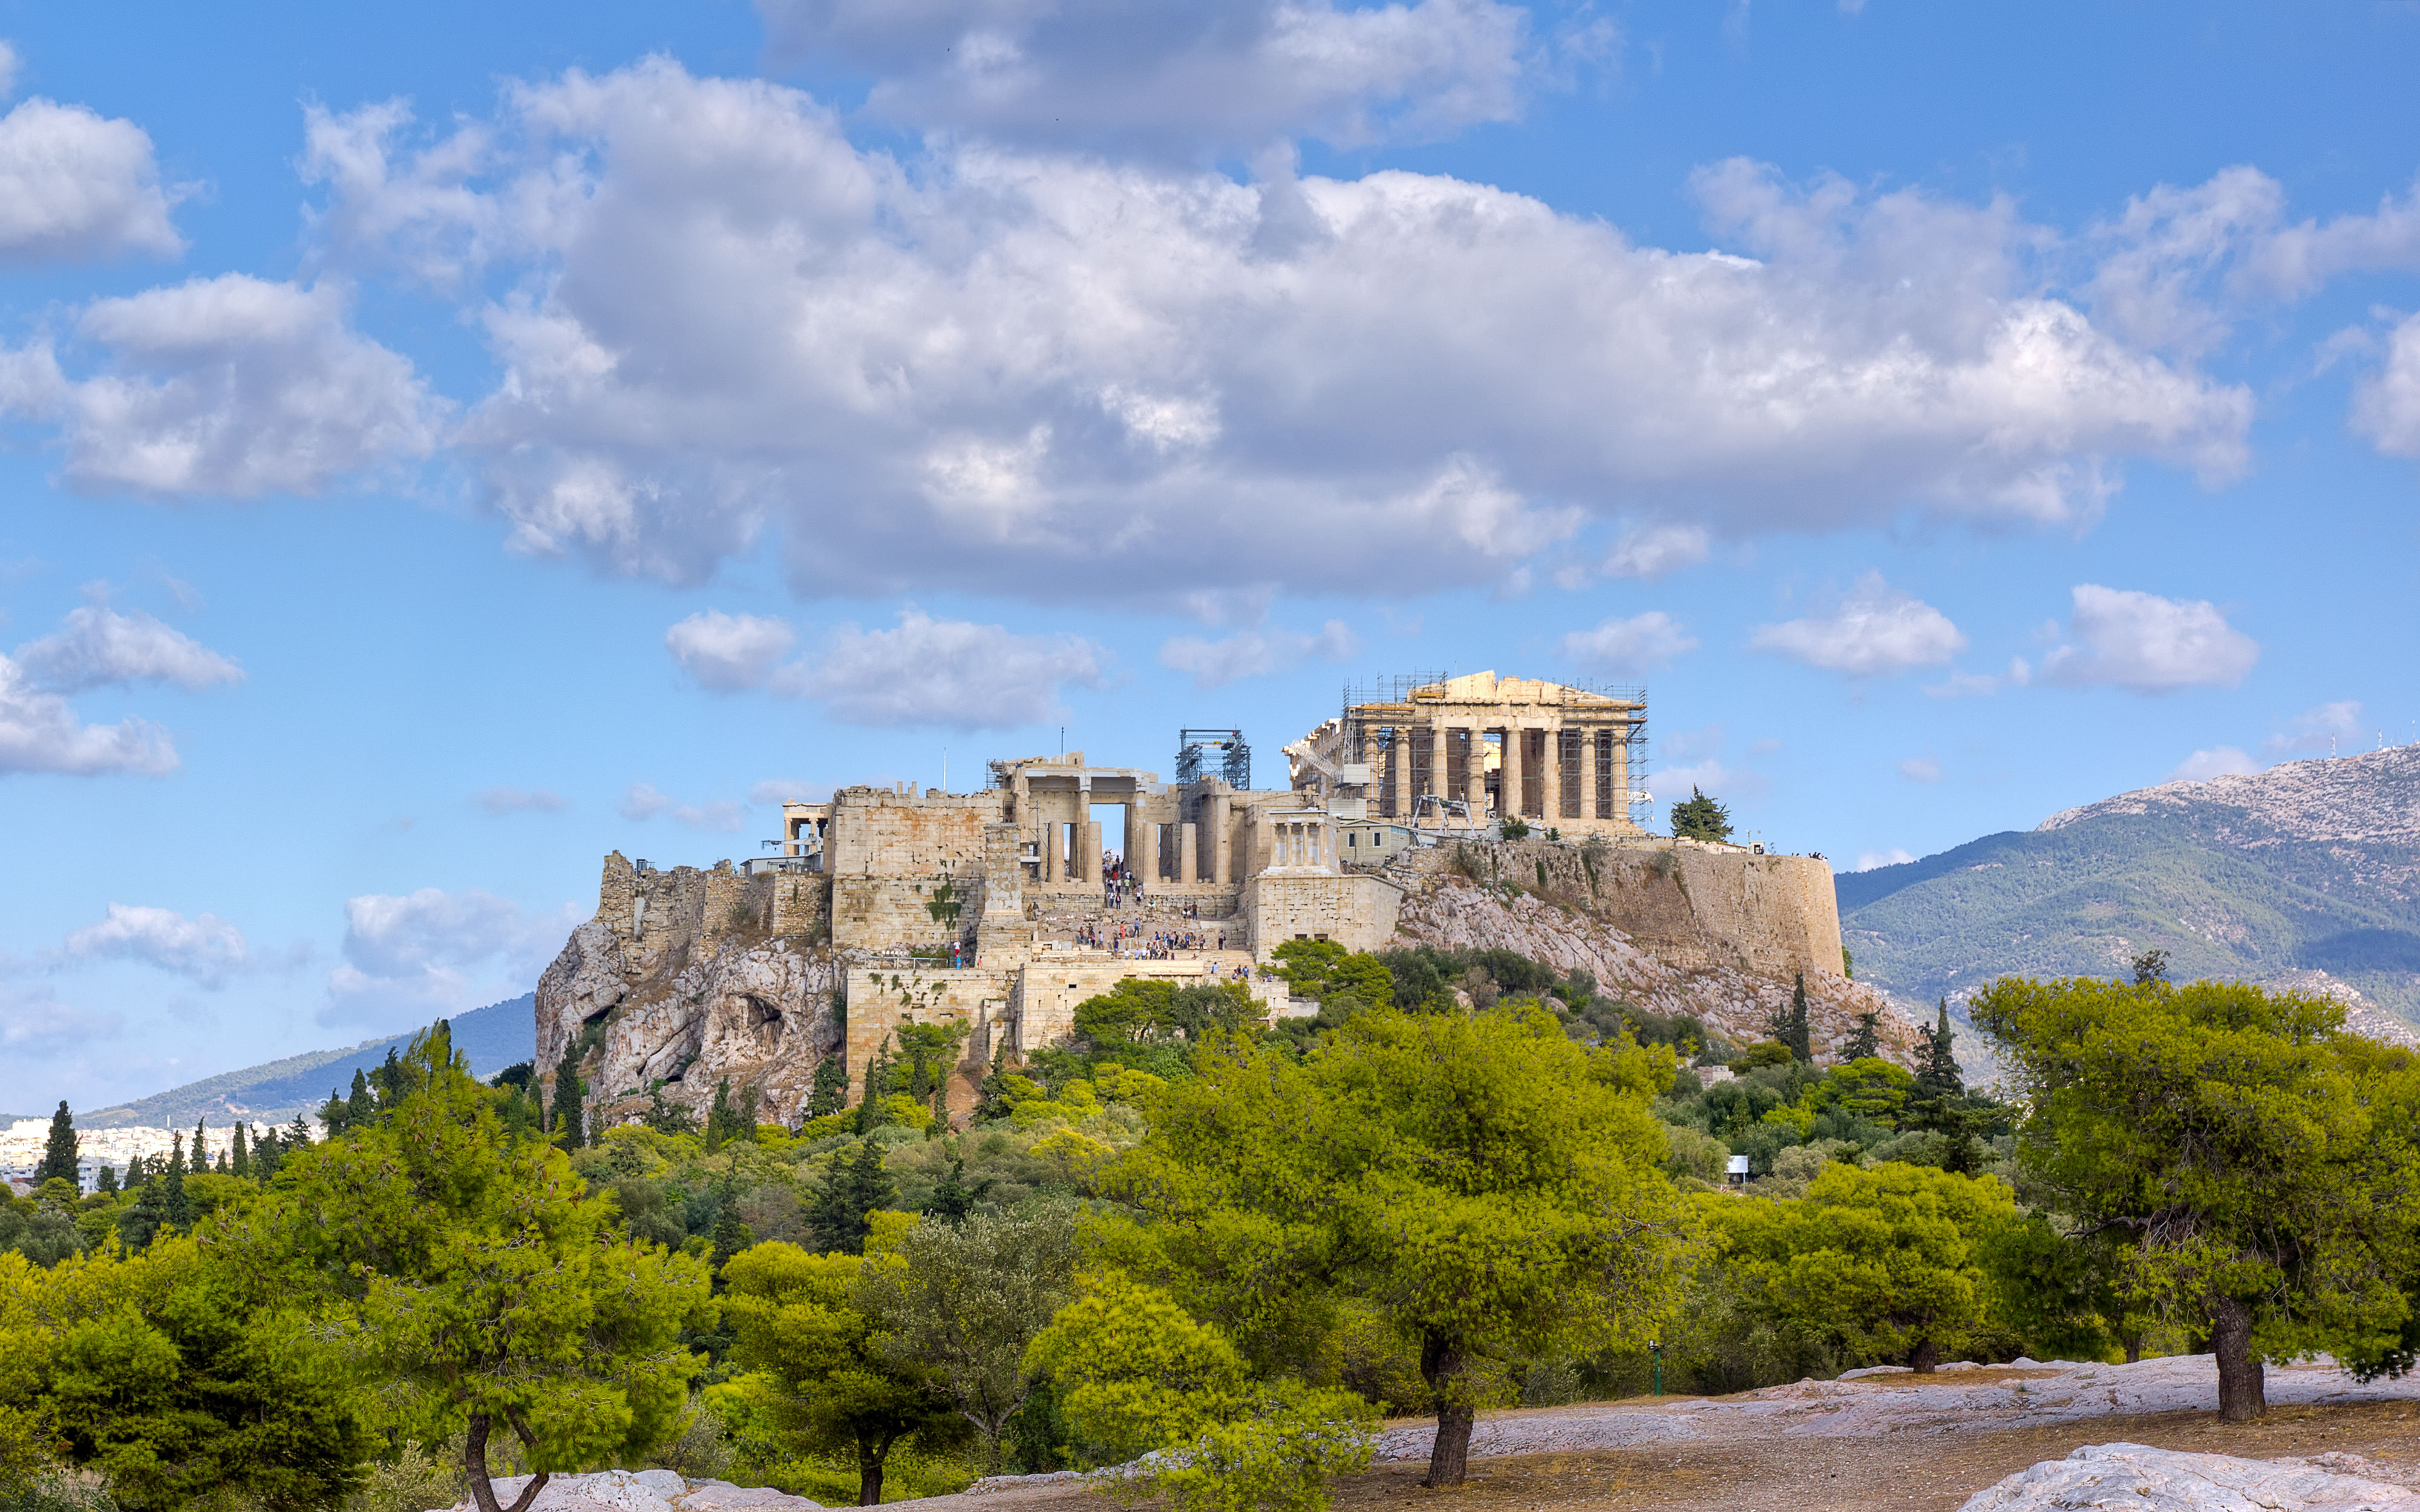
(721, 1119)
(829, 1093)
(881, 1074)
(1867, 1041)
(59, 1157)
(201, 1160)
(176, 1206)
(730, 1233)
(105, 1180)
(240, 1160)
(1700, 818)
(570, 1122)
(362, 1108)
(1936, 1071)
(1791, 1028)
(336, 1114)
(853, 1186)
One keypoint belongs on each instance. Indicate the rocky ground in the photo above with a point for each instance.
(1887, 1440)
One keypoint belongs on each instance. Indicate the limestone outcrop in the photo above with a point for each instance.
(645, 1490)
(2134, 1478)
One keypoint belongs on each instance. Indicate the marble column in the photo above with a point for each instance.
(1514, 764)
(1090, 858)
(1550, 793)
(1587, 774)
(1221, 862)
(1054, 846)
(1188, 865)
(1474, 789)
(1135, 829)
(1400, 747)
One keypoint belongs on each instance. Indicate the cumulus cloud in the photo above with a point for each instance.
(2326, 727)
(2147, 643)
(75, 187)
(1650, 552)
(39, 731)
(35, 1026)
(500, 801)
(1628, 648)
(1180, 75)
(437, 951)
(98, 647)
(205, 948)
(2219, 761)
(1876, 631)
(1711, 776)
(990, 366)
(1920, 770)
(2386, 405)
(728, 653)
(228, 386)
(929, 671)
(644, 801)
(1256, 652)
(1981, 685)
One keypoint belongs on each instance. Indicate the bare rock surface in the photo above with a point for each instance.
(2134, 1477)
(2026, 1394)
(645, 1490)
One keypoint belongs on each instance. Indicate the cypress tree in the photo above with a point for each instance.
(139, 1223)
(720, 1118)
(105, 1181)
(570, 1131)
(240, 1161)
(201, 1160)
(298, 1133)
(854, 1185)
(362, 1108)
(266, 1155)
(176, 1208)
(878, 1078)
(1791, 1028)
(829, 1093)
(1937, 1073)
(730, 1235)
(1867, 1041)
(336, 1115)
(59, 1157)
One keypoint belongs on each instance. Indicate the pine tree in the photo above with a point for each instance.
(298, 1135)
(1700, 818)
(854, 1185)
(59, 1157)
(1867, 1041)
(829, 1093)
(571, 1131)
(336, 1115)
(362, 1108)
(1791, 1028)
(730, 1235)
(105, 1180)
(201, 1160)
(1936, 1072)
(140, 1222)
(176, 1208)
(720, 1119)
(240, 1162)
(266, 1156)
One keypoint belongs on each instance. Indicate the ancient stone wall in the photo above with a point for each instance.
(881, 1001)
(1355, 909)
(877, 833)
(1049, 989)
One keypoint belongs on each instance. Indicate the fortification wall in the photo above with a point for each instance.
(882, 1001)
(1049, 988)
(883, 834)
(1357, 910)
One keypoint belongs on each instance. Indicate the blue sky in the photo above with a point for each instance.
(445, 445)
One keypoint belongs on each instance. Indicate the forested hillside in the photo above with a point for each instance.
(2303, 875)
(493, 1037)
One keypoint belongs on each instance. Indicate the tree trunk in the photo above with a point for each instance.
(474, 1463)
(869, 1483)
(1925, 1356)
(2240, 1395)
(1443, 1363)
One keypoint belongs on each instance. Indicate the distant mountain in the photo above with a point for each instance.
(2307, 876)
(493, 1037)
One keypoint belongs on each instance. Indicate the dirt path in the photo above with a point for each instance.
(1879, 1442)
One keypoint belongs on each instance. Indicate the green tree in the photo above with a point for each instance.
(731, 1234)
(1700, 818)
(487, 1287)
(1789, 1026)
(176, 1203)
(2254, 1159)
(1138, 1374)
(967, 1300)
(361, 1107)
(183, 1375)
(1880, 1262)
(796, 1319)
(59, 1155)
(1485, 1183)
(721, 1119)
(1867, 1044)
(571, 1126)
(240, 1162)
(830, 1092)
(853, 1186)
(1936, 1068)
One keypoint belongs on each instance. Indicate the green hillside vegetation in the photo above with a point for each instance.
(2229, 889)
(492, 1038)
(1470, 1181)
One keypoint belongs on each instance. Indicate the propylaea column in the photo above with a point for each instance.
(1133, 843)
(1189, 865)
(1090, 858)
(1054, 847)
(1221, 863)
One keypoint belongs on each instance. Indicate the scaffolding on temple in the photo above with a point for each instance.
(1234, 760)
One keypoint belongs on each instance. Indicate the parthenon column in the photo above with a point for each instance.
(1587, 774)
(1550, 791)
(1509, 777)
(1399, 745)
(1474, 775)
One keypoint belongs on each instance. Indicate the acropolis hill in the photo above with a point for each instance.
(1004, 907)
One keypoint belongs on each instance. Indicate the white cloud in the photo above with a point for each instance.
(35, 1026)
(718, 817)
(1920, 770)
(40, 733)
(1628, 648)
(437, 951)
(1876, 630)
(207, 949)
(2386, 405)
(500, 801)
(982, 367)
(930, 671)
(728, 653)
(1256, 652)
(1180, 75)
(2147, 643)
(2327, 726)
(1981, 685)
(1710, 777)
(1869, 860)
(225, 386)
(75, 187)
(98, 647)
(1651, 551)
(2219, 761)
(9, 65)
